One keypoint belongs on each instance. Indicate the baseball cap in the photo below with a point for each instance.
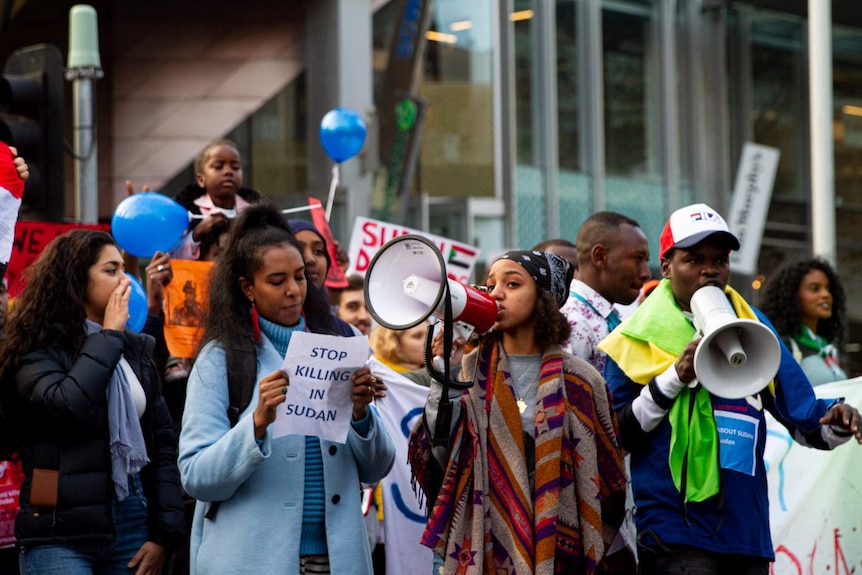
(690, 225)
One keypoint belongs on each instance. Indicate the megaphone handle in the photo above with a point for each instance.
(443, 377)
(444, 410)
(443, 425)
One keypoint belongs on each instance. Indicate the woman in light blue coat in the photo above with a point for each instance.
(287, 505)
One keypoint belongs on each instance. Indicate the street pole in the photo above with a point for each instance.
(84, 68)
(822, 146)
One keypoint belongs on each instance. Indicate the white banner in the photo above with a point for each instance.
(320, 395)
(750, 204)
(814, 498)
(369, 236)
(403, 519)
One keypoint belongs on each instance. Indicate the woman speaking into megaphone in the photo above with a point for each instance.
(517, 435)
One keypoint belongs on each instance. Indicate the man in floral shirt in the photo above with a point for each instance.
(613, 253)
(612, 267)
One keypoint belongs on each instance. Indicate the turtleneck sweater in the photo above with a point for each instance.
(313, 541)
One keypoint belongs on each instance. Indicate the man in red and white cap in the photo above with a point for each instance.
(13, 173)
(701, 508)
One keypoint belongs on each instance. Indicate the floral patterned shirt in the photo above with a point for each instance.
(588, 313)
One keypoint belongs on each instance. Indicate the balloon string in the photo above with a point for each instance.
(287, 211)
(332, 187)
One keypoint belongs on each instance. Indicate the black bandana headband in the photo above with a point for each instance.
(551, 272)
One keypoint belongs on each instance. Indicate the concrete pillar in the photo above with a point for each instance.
(340, 74)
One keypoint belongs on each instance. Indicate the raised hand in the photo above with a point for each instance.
(117, 310)
(159, 274)
(272, 391)
(364, 389)
(207, 224)
(20, 165)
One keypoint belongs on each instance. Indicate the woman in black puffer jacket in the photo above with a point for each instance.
(101, 488)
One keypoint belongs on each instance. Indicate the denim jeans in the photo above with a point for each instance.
(679, 560)
(108, 557)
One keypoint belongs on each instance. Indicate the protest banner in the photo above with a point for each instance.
(369, 236)
(30, 239)
(814, 503)
(403, 519)
(320, 395)
(186, 301)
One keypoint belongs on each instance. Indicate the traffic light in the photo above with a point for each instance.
(32, 120)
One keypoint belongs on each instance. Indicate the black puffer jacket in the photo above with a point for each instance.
(65, 427)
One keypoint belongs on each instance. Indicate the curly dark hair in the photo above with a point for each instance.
(258, 228)
(211, 238)
(551, 327)
(50, 309)
(780, 300)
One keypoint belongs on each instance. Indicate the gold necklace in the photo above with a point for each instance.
(522, 405)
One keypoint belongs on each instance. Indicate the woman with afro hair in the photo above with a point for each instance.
(807, 304)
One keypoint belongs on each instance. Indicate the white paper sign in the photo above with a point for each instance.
(319, 398)
(369, 236)
(751, 194)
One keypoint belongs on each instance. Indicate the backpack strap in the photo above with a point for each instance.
(241, 378)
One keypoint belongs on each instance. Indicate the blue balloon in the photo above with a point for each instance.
(148, 222)
(137, 306)
(342, 134)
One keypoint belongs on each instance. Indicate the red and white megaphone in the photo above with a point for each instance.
(406, 283)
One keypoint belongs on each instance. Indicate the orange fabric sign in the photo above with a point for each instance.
(186, 300)
(335, 278)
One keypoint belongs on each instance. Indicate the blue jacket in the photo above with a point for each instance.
(736, 521)
(261, 488)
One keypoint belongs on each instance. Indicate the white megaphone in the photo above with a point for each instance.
(406, 283)
(736, 357)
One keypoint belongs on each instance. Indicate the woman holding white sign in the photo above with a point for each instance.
(533, 477)
(289, 504)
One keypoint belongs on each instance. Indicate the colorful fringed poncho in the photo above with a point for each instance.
(487, 518)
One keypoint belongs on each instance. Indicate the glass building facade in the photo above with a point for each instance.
(553, 110)
(540, 112)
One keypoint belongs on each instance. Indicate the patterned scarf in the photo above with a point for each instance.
(487, 518)
(807, 338)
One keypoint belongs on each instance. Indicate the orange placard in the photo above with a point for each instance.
(186, 299)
